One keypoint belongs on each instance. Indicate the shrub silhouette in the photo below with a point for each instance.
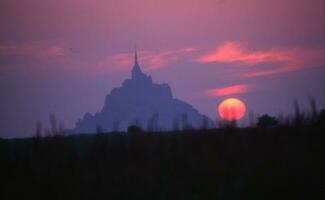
(267, 122)
(134, 129)
(116, 126)
(153, 123)
(321, 117)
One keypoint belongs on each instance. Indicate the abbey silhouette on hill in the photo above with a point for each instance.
(143, 103)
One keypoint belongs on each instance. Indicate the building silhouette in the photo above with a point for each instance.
(140, 102)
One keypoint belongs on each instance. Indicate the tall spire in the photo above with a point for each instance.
(136, 71)
(135, 56)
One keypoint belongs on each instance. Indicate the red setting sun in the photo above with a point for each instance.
(231, 109)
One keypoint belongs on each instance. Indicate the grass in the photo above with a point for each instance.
(285, 162)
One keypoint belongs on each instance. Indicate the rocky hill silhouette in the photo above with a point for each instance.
(143, 103)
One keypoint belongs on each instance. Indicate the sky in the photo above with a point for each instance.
(65, 56)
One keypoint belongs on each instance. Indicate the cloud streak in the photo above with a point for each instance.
(230, 90)
(283, 60)
(150, 60)
(42, 55)
(38, 49)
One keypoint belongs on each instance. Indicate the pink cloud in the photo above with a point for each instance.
(41, 57)
(121, 61)
(234, 52)
(230, 90)
(45, 54)
(283, 59)
(149, 60)
(36, 49)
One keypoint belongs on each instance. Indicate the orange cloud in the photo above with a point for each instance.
(149, 60)
(230, 90)
(283, 59)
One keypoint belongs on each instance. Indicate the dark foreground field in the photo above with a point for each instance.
(275, 163)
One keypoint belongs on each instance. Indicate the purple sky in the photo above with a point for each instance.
(64, 56)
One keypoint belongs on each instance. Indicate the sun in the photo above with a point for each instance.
(231, 109)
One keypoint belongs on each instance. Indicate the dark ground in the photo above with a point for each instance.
(285, 162)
